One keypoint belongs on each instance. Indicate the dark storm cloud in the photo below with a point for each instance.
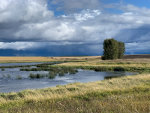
(140, 34)
(55, 50)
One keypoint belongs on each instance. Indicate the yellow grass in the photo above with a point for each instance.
(126, 95)
(42, 59)
(97, 59)
(137, 62)
(123, 83)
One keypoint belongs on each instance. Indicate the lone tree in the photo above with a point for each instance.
(121, 49)
(113, 49)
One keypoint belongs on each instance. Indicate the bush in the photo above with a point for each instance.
(38, 76)
(61, 73)
(119, 69)
(3, 69)
(19, 77)
(52, 75)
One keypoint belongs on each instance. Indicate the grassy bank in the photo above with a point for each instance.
(141, 65)
(132, 65)
(119, 95)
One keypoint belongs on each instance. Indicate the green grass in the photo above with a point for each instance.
(53, 71)
(107, 68)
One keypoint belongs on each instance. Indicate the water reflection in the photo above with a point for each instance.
(13, 80)
(19, 64)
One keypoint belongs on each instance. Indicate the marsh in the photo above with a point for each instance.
(14, 80)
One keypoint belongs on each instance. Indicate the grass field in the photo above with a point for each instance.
(143, 58)
(42, 59)
(130, 94)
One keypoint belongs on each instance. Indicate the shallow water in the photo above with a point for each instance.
(20, 64)
(14, 80)
(9, 81)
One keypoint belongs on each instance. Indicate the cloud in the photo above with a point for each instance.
(25, 11)
(139, 34)
(15, 14)
(138, 48)
(39, 24)
(26, 23)
(52, 49)
(19, 45)
(47, 49)
(35, 22)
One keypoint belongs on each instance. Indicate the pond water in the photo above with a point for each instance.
(20, 64)
(14, 80)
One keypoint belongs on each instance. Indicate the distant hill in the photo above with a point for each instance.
(136, 56)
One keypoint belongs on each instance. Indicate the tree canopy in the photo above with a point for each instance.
(113, 49)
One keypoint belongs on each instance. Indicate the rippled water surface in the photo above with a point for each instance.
(13, 80)
(19, 64)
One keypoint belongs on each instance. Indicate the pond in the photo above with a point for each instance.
(20, 64)
(14, 80)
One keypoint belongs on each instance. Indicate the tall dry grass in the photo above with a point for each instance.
(119, 95)
(44, 59)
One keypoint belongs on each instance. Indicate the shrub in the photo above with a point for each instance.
(61, 73)
(19, 77)
(52, 75)
(73, 71)
(3, 69)
(119, 69)
(32, 76)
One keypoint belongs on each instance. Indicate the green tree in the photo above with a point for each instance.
(110, 47)
(113, 49)
(121, 49)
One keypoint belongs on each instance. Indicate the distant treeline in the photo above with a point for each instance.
(113, 49)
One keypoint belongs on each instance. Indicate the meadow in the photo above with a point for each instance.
(128, 94)
(42, 59)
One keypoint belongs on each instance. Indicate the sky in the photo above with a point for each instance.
(72, 27)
